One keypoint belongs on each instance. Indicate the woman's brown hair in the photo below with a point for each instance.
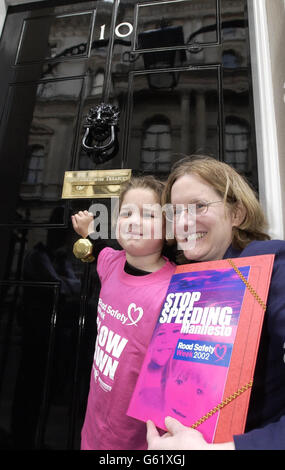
(231, 187)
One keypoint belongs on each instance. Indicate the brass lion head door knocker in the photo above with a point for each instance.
(100, 140)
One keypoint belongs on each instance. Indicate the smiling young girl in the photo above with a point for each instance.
(133, 286)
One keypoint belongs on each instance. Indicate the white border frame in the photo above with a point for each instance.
(4, 4)
(270, 190)
(3, 11)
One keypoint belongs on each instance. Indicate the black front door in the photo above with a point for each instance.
(179, 73)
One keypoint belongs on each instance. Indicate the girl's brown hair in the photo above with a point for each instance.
(231, 187)
(144, 182)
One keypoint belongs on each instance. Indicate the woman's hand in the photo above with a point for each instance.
(180, 437)
(82, 223)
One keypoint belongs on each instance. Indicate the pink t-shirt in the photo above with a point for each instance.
(128, 308)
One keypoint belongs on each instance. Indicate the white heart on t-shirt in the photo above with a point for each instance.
(136, 311)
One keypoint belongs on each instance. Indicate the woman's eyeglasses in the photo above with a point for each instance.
(173, 212)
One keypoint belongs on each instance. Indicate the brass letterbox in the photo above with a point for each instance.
(93, 184)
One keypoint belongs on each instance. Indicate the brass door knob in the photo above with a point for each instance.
(82, 249)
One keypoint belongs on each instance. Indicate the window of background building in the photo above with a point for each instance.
(156, 146)
(237, 143)
(34, 165)
(97, 84)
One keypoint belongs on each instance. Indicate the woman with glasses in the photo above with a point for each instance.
(216, 215)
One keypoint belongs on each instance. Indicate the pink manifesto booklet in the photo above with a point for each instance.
(204, 346)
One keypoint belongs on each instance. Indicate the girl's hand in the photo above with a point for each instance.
(82, 223)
